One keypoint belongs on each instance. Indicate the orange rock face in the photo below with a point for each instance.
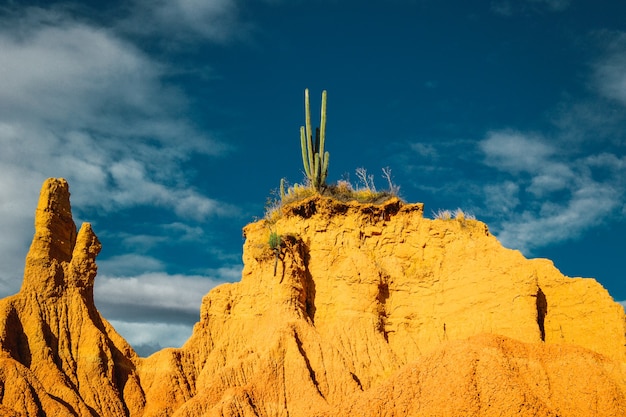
(489, 375)
(366, 310)
(59, 357)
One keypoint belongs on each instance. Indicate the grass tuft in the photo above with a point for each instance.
(457, 214)
(342, 191)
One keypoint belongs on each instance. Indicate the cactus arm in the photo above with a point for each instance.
(324, 172)
(316, 172)
(305, 155)
(309, 133)
(320, 147)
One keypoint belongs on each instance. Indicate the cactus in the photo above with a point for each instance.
(282, 189)
(314, 159)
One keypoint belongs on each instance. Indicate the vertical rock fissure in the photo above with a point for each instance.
(309, 283)
(381, 298)
(542, 310)
(307, 363)
(18, 345)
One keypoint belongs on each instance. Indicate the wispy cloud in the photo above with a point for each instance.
(80, 102)
(515, 152)
(552, 5)
(610, 71)
(152, 296)
(572, 179)
(551, 197)
(531, 192)
(538, 188)
(147, 338)
(155, 309)
(186, 20)
(130, 263)
(515, 7)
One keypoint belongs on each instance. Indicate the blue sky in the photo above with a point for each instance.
(174, 120)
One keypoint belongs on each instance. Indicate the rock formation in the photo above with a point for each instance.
(58, 356)
(372, 310)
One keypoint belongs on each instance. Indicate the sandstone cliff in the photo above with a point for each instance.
(367, 296)
(372, 310)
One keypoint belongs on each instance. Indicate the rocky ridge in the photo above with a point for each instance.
(372, 310)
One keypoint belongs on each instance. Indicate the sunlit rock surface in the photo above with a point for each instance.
(366, 310)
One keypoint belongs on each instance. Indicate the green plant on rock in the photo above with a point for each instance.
(275, 242)
(314, 159)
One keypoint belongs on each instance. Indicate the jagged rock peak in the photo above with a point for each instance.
(55, 231)
(58, 356)
(59, 257)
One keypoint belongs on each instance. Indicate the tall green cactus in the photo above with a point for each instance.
(314, 159)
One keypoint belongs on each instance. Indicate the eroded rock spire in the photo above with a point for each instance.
(59, 356)
(59, 258)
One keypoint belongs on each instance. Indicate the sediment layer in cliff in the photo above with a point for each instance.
(362, 309)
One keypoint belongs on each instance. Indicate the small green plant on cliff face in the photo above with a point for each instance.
(275, 242)
(314, 159)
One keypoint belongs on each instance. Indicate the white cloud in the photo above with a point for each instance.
(553, 5)
(610, 71)
(515, 152)
(556, 221)
(16, 222)
(155, 296)
(185, 20)
(153, 292)
(229, 273)
(607, 160)
(156, 309)
(93, 97)
(147, 338)
(183, 232)
(515, 7)
(502, 197)
(552, 177)
(573, 180)
(425, 150)
(142, 241)
(79, 102)
(547, 197)
(131, 263)
(76, 75)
